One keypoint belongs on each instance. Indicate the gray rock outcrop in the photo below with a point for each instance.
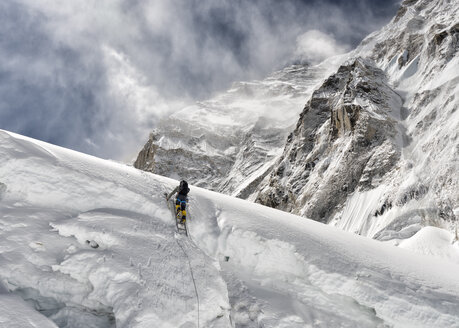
(345, 139)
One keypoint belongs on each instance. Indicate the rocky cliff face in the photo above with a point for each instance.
(346, 138)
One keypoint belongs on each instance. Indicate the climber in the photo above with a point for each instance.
(182, 191)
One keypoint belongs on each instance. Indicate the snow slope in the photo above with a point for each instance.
(54, 201)
(253, 266)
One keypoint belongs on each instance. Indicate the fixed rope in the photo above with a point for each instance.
(192, 276)
(189, 263)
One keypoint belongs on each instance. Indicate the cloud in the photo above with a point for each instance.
(315, 46)
(98, 75)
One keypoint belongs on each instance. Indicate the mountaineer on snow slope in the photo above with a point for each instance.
(182, 191)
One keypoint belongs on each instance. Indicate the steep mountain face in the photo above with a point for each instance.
(376, 148)
(228, 143)
(346, 139)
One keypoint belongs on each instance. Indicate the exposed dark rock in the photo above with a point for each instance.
(339, 125)
(400, 13)
(146, 158)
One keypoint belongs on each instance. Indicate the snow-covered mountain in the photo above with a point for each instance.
(375, 150)
(245, 265)
(229, 143)
(346, 139)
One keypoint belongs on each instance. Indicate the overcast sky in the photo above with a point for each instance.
(97, 75)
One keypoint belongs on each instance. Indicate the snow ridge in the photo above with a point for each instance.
(253, 265)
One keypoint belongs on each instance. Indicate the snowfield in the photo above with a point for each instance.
(245, 265)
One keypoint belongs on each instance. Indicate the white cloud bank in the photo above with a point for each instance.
(315, 46)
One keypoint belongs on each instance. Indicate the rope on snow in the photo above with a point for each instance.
(189, 262)
(192, 276)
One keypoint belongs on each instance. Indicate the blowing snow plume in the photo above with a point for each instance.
(315, 46)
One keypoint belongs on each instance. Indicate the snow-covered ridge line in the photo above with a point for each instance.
(253, 265)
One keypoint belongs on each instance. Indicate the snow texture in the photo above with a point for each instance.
(253, 265)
